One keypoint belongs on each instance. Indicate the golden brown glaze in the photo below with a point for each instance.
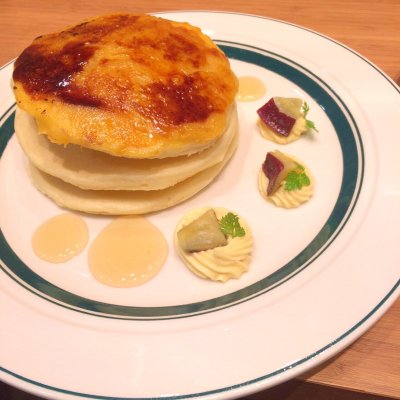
(129, 85)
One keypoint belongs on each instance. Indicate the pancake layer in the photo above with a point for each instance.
(90, 169)
(124, 202)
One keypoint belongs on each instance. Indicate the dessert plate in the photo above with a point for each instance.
(320, 276)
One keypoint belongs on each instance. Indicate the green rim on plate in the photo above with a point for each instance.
(353, 171)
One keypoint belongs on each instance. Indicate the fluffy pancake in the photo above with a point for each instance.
(120, 202)
(90, 169)
(128, 85)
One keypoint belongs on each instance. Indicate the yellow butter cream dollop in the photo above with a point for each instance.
(299, 127)
(221, 263)
(284, 198)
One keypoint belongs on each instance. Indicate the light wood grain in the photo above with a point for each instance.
(369, 27)
(371, 364)
(372, 28)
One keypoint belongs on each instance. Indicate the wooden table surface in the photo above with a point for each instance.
(370, 368)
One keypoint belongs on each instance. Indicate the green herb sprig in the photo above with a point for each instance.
(310, 124)
(296, 179)
(230, 225)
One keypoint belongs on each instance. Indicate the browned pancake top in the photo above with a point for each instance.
(130, 85)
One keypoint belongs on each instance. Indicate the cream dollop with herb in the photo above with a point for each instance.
(223, 262)
(276, 111)
(298, 129)
(293, 197)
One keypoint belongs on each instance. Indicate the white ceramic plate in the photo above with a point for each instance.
(321, 274)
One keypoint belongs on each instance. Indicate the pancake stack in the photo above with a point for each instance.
(125, 114)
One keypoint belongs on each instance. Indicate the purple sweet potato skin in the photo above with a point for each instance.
(278, 121)
(272, 167)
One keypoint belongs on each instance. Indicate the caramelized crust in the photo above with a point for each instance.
(129, 85)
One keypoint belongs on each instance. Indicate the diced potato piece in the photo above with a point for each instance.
(276, 168)
(290, 106)
(203, 233)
